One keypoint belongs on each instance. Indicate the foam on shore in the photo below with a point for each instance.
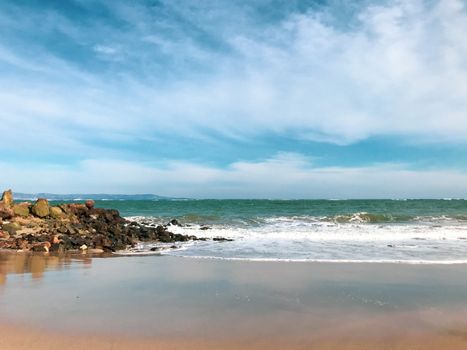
(424, 240)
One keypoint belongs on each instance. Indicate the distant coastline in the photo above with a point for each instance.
(93, 196)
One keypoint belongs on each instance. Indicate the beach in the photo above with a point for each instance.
(210, 175)
(147, 302)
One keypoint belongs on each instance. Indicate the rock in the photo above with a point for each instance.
(11, 227)
(4, 235)
(41, 247)
(222, 239)
(57, 248)
(41, 208)
(5, 211)
(166, 237)
(112, 215)
(21, 209)
(160, 229)
(7, 198)
(179, 237)
(174, 222)
(78, 209)
(95, 251)
(56, 212)
(89, 204)
(74, 226)
(66, 208)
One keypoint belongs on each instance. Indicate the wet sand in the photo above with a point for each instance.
(22, 339)
(177, 303)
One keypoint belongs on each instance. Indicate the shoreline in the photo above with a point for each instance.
(311, 261)
(129, 253)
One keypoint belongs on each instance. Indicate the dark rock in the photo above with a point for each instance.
(166, 237)
(20, 243)
(78, 209)
(179, 237)
(89, 204)
(57, 248)
(71, 226)
(41, 247)
(174, 222)
(160, 229)
(222, 239)
(97, 212)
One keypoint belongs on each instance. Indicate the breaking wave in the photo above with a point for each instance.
(358, 237)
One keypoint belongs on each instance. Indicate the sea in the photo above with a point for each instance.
(387, 231)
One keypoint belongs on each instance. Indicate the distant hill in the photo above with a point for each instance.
(99, 196)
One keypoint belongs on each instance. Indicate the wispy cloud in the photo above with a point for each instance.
(397, 68)
(81, 80)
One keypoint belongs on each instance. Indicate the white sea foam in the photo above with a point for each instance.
(427, 240)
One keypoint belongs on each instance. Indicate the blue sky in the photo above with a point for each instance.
(266, 98)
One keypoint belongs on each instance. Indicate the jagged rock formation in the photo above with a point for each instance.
(41, 227)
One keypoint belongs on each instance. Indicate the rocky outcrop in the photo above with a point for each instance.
(73, 226)
(56, 212)
(22, 209)
(7, 198)
(6, 203)
(41, 208)
(5, 211)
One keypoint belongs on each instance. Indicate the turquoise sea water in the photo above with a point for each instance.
(255, 211)
(413, 231)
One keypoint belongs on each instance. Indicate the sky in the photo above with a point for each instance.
(235, 99)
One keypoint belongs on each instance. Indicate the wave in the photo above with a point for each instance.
(426, 240)
(356, 221)
(351, 218)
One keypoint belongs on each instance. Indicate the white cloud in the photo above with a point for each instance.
(399, 70)
(286, 175)
(106, 50)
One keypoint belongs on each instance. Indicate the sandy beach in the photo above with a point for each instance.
(158, 302)
(20, 338)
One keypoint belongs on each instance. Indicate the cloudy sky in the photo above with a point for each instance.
(229, 98)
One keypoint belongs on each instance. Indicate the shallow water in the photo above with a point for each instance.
(161, 296)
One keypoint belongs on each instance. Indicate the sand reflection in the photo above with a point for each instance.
(247, 302)
(35, 265)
